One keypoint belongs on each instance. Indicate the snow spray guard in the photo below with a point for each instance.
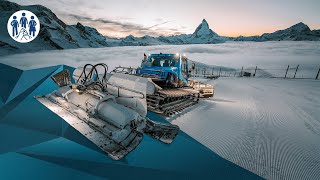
(23, 26)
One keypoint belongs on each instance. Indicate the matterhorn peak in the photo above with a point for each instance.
(204, 30)
(205, 23)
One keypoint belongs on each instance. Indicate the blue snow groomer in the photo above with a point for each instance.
(166, 70)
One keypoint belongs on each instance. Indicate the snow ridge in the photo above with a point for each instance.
(297, 32)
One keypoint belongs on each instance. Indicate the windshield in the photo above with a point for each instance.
(163, 61)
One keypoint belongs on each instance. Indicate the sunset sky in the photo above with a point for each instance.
(119, 18)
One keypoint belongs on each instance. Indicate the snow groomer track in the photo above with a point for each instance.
(172, 101)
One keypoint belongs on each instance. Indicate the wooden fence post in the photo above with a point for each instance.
(255, 71)
(318, 74)
(220, 72)
(285, 76)
(296, 72)
(241, 71)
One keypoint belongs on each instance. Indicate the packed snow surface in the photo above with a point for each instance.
(269, 126)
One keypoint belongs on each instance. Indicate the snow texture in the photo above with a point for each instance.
(268, 126)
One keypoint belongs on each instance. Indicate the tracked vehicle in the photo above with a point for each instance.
(171, 73)
(108, 109)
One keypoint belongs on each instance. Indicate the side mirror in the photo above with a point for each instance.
(193, 66)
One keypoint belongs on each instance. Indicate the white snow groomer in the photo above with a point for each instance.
(108, 109)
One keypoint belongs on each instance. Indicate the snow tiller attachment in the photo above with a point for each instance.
(108, 109)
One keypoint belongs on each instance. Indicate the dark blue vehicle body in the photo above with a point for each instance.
(165, 68)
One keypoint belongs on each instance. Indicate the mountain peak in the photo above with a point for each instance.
(204, 30)
(80, 26)
(204, 22)
(300, 24)
(300, 27)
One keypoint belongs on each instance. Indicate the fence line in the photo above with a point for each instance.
(288, 72)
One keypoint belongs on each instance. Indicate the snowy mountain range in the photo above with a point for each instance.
(297, 32)
(202, 35)
(55, 34)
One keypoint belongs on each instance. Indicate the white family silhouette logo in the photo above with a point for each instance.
(23, 26)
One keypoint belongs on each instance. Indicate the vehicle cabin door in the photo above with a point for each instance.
(184, 67)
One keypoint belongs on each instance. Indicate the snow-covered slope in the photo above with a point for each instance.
(297, 32)
(268, 126)
(203, 30)
(316, 31)
(140, 41)
(54, 33)
(177, 39)
(204, 35)
(248, 38)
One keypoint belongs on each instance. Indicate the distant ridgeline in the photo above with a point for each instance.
(55, 34)
(298, 32)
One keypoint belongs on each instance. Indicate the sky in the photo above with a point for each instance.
(120, 18)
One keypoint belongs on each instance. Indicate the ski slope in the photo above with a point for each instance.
(268, 126)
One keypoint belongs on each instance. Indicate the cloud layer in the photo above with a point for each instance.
(107, 26)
